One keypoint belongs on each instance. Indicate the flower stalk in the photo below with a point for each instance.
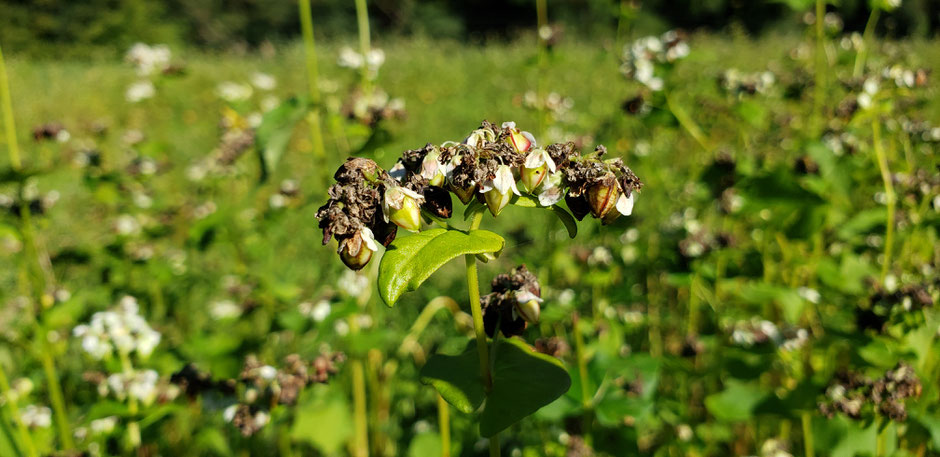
(310, 53)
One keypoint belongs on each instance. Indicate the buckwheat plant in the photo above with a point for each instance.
(125, 333)
(492, 168)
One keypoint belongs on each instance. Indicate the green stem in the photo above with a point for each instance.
(133, 428)
(359, 406)
(808, 447)
(476, 311)
(310, 53)
(541, 9)
(9, 126)
(820, 64)
(36, 272)
(362, 20)
(25, 438)
(866, 42)
(586, 397)
(443, 419)
(889, 195)
(687, 123)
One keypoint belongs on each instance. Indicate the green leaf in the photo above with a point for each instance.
(275, 131)
(323, 419)
(412, 259)
(736, 402)
(523, 382)
(457, 378)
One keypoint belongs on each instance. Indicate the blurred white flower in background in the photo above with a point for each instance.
(234, 92)
(148, 59)
(122, 330)
(263, 81)
(140, 90)
(224, 309)
(140, 385)
(352, 283)
(36, 416)
(349, 58)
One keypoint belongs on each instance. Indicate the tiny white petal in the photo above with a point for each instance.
(625, 204)
(368, 238)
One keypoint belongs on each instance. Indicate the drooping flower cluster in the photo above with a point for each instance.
(514, 303)
(853, 393)
(640, 59)
(367, 204)
(121, 330)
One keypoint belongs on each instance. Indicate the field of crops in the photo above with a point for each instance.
(757, 277)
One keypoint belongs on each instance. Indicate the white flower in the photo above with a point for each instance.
(810, 295)
(538, 157)
(320, 311)
(352, 283)
(395, 199)
(503, 182)
(349, 58)
(233, 92)
(36, 416)
(552, 191)
(267, 372)
(140, 90)
(121, 329)
(524, 296)
(103, 425)
(263, 81)
(625, 204)
(479, 137)
(224, 309)
(148, 59)
(229, 413)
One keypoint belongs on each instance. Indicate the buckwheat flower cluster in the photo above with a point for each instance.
(641, 59)
(121, 330)
(373, 60)
(514, 303)
(738, 83)
(853, 394)
(492, 166)
(148, 59)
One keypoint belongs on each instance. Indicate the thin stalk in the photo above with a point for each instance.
(362, 20)
(808, 447)
(687, 123)
(476, 311)
(310, 53)
(133, 428)
(820, 64)
(25, 438)
(37, 275)
(359, 406)
(889, 195)
(541, 9)
(443, 423)
(9, 126)
(586, 397)
(866, 42)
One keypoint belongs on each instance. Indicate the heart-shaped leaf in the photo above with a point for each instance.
(412, 259)
(523, 382)
(457, 378)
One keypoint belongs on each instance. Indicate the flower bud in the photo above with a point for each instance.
(496, 201)
(356, 251)
(519, 140)
(465, 194)
(403, 207)
(533, 177)
(602, 197)
(529, 311)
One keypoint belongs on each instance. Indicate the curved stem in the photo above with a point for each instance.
(25, 438)
(866, 42)
(473, 287)
(9, 126)
(37, 275)
(362, 20)
(889, 195)
(310, 53)
(443, 419)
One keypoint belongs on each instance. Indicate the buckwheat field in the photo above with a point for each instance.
(424, 228)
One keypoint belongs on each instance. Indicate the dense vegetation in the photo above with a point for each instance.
(165, 290)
